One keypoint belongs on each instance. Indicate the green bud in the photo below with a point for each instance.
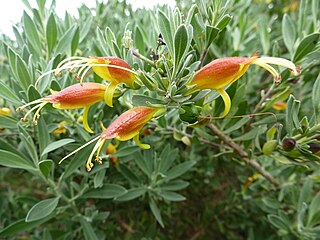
(269, 147)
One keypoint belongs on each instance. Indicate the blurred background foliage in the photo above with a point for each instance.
(191, 184)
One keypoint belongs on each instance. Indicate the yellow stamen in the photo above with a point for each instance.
(98, 158)
(281, 62)
(275, 74)
(85, 119)
(78, 149)
(79, 64)
(40, 104)
(226, 100)
(89, 163)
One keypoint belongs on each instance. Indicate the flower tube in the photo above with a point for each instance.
(112, 69)
(224, 71)
(73, 97)
(127, 126)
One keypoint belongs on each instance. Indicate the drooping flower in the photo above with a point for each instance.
(112, 69)
(73, 97)
(127, 126)
(224, 71)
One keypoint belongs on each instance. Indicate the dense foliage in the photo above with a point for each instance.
(251, 175)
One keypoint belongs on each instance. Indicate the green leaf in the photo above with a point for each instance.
(45, 167)
(78, 160)
(174, 185)
(43, 134)
(98, 178)
(22, 225)
(305, 194)
(211, 33)
(292, 110)
(171, 196)
(58, 144)
(314, 210)
(139, 42)
(8, 94)
(315, 97)
(278, 222)
(88, 231)
(42, 209)
(288, 32)
(142, 164)
(31, 32)
(33, 93)
(129, 174)
(85, 29)
(156, 212)
(23, 74)
(126, 151)
(51, 32)
(237, 125)
(248, 136)
(12, 160)
(180, 44)
(224, 21)
(132, 194)
(142, 100)
(64, 43)
(165, 29)
(108, 191)
(75, 41)
(167, 157)
(179, 169)
(7, 122)
(306, 46)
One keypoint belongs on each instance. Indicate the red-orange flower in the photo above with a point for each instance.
(73, 97)
(127, 126)
(222, 72)
(112, 69)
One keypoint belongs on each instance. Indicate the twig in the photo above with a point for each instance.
(237, 148)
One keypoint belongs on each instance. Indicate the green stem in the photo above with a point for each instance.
(143, 58)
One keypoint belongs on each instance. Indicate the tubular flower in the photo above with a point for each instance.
(73, 97)
(125, 127)
(112, 69)
(224, 71)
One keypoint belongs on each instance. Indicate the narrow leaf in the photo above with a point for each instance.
(58, 144)
(42, 209)
(12, 160)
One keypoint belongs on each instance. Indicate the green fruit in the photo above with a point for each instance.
(189, 113)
